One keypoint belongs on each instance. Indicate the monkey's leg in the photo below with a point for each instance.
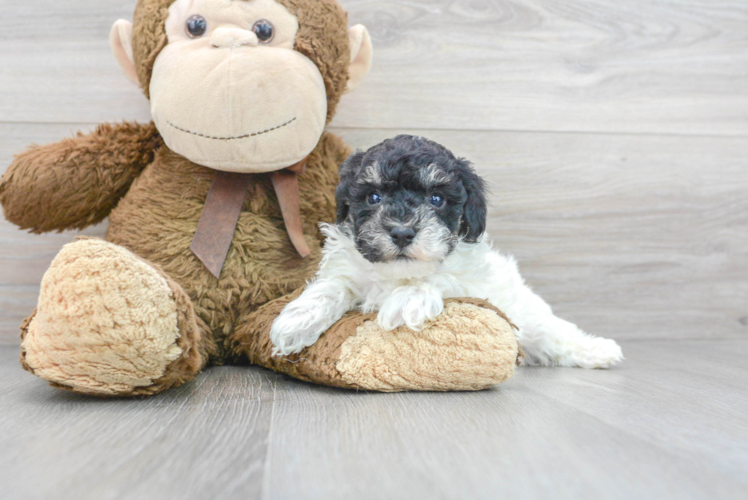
(109, 323)
(470, 346)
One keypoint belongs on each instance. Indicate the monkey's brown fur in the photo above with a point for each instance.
(156, 217)
(154, 199)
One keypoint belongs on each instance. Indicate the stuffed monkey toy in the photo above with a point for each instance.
(213, 213)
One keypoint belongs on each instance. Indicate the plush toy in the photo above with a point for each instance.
(213, 212)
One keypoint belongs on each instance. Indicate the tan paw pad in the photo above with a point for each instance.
(106, 321)
(467, 347)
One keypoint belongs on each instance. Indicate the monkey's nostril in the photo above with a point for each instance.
(231, 38)
(402, 236)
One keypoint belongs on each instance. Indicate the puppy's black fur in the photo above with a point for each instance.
(409, 174)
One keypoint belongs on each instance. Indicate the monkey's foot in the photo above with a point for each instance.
(109, 323)
(470, 346)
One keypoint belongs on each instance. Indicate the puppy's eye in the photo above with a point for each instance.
(196, 26)
(374, 199)
(437, 201)
(264, 30)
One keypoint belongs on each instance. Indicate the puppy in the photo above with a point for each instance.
(409, 233)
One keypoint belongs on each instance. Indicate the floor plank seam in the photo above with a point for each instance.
(264, 493)
(550, 132)
(333, 126)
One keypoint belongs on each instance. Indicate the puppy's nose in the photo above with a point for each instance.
(402, 236)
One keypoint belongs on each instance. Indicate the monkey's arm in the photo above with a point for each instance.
(76, 182)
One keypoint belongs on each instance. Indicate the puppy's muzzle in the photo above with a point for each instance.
(402, 236)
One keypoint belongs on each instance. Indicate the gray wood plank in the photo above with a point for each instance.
(16, 303)
(635, 66)
(645, 430)
(629, 236)
(668, 423)
(207, 437)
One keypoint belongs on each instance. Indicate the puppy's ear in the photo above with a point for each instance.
(347, 171)
(473, 223)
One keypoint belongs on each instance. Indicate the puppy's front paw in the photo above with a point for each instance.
(410, 306)
(597, 352)
(390, 318)
(293, 331)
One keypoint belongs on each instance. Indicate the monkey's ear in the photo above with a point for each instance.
(361, 56)
(347, 171)
(120, 39)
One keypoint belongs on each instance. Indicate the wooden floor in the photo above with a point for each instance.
(615, 138)
(670, 423)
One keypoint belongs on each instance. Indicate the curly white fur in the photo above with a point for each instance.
(410, 292)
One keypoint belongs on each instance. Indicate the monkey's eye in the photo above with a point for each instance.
(196, 26)
(374, 199)
(437, 201)
(264, 30)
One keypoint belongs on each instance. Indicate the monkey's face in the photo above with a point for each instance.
(242, 85)
(230, 92)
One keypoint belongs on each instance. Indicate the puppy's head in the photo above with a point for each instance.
(409, 198)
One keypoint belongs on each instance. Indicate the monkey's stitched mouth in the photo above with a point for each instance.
(254, 134)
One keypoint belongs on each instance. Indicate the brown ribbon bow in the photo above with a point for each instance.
(223, 206)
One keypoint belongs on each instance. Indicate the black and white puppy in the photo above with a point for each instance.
(410, 233)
